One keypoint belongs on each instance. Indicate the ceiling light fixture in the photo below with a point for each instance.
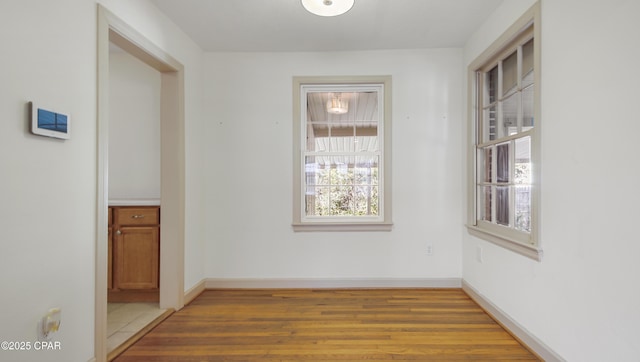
(337, 105)
(327, 7)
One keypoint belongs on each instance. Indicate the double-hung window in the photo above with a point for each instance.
(341, 163)
(504, 141)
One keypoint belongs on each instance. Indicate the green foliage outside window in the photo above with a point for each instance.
(344, 191)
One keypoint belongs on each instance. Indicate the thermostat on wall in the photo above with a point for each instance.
(46, 122)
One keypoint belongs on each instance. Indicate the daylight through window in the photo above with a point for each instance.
(342, 164)
(505, 140)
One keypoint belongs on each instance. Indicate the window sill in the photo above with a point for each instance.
(299, 227)
(518, 247)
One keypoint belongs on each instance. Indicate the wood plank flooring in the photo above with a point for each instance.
(329, 325)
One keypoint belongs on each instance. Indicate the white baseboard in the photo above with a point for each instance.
(312, 283)
(542, 350)
(194, 291)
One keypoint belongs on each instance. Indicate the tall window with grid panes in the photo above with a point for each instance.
(505, 143)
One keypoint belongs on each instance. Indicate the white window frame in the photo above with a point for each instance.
(527, 244)
(381, 222)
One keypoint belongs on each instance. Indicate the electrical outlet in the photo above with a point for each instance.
(479, 254)
(49, 324)
(429, 249)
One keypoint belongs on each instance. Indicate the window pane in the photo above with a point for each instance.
(366, 181)
(336, 104)
(523, 208)
(510, 74)
(502, 205)
(310, 168)
(366, 137)
(485, 162)
(527, 63)
(317, 201)
(355, 130)
(316, 173)
(366, 200)
(485, 203)
(317, 126)
(317, 140)
(502, 151)
(366, 170)
(491, 86)
(342, 200)
(342, 137)
(316, 170)
(340, 172)
(527, 108)
(509, 108)
(523, 161)
(341, 185)
(489, 121)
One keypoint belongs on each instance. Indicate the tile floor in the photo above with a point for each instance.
(126, 319)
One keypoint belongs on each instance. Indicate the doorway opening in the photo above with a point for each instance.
(113, 30)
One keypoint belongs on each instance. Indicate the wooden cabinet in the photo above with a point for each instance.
(135, 253)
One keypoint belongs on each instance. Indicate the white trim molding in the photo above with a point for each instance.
(110, 28)
(529, 251)
(194, 292)
(382, 222)
(527, 338)
(330, 283)
(134, 202)
(528, 244)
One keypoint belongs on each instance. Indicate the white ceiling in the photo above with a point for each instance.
(284, 25)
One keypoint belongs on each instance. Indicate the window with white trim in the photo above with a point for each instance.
(341, 139)
(505, 147)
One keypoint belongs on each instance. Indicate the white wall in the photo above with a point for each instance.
(145, 18)
(134, 129)
(249, 169)
(48, 193)
(583, 299)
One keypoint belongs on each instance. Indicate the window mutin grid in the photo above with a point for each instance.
(342, 153)
(504, 89)
(505, 211)
(368, 156)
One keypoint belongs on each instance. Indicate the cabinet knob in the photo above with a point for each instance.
(137, 216)
(119, 232)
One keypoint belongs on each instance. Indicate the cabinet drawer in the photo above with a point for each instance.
(137, 216)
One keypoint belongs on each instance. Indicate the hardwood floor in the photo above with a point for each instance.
(329, 325)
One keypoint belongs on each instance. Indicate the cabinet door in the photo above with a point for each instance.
(137, 256)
